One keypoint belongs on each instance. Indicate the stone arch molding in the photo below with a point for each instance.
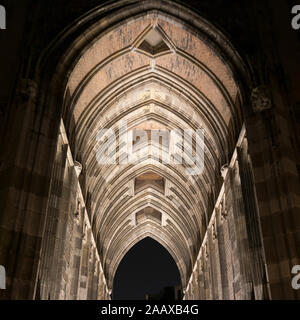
(197, 79)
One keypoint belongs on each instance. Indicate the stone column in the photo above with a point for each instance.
(274, 147)
(276, 181)
(224, 257)
(83, 278)
(215, 261)
(26, 176)
(207, 273)
(242, 275)
(256, 253)
(201, 279)
(79, 221)
(46, 275)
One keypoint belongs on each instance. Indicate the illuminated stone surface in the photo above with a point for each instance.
(67, 221)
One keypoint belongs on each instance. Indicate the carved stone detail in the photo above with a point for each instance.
(224, 170)
(214, 231)
(201, 266)
(223, 210)
(261, 98)
(91, 253)
(78, 168)
(84, 233)
(77, 212)
(28, 90)
(206, 252)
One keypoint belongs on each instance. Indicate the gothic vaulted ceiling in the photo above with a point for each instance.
(148, 73)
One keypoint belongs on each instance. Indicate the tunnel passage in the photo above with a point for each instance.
(136, 89)
(152, 74)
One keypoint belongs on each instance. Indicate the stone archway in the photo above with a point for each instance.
(147, 271)
(157, 71)
(157, 66)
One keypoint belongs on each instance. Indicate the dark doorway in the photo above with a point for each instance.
(146, 269)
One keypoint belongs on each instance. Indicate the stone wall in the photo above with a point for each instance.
(252, 239)
(70, 267)
(231, 262)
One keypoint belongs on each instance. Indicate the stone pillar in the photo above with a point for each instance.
(197, 284)
(26, 175)
(215, 261)
(91, 271)
(224, 255)
(207, 273)
(79, 220)
(242, 279)
(83, 278)
(256, 253)
(226, 219)
(95, 280)
(201, 279)
(273, 147)
(100, 286)
(276, 181)
(46, 273)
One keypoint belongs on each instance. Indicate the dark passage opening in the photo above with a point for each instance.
(147, 269)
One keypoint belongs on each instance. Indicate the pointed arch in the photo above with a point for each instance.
(98, 69)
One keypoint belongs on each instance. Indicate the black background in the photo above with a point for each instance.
(146, 269)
